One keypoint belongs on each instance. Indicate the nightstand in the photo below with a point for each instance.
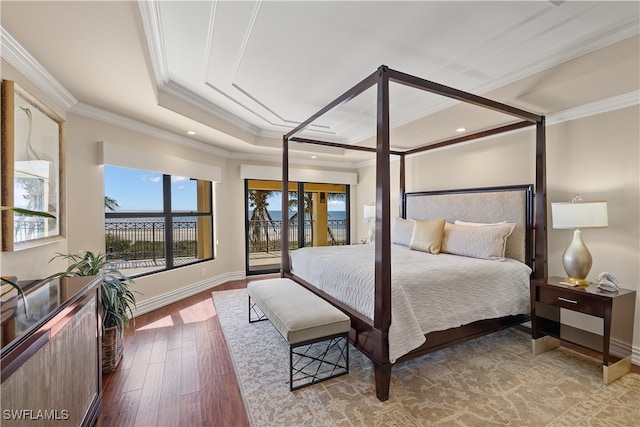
(616, 309)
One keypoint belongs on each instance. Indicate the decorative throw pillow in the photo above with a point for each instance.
(427, 236)
(485, 242)
(401, 231)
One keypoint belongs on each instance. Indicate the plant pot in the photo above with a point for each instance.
(112, 348)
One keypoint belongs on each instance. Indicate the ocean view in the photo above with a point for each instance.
(184, 228)
(333, 215)
(275, 215)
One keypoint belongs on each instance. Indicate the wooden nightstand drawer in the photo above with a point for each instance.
(549, 295)
(574, 301)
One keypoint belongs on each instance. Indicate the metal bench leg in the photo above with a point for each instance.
(255, 314)
(313, 361)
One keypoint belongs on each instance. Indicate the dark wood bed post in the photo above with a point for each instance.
(285, 268)
(382, 311)
(540, 260)
(403, 189)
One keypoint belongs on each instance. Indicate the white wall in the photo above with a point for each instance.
(596, 156)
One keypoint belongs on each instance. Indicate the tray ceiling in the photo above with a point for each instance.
(243, 73)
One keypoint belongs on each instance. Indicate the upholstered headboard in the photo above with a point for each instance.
(489, 205)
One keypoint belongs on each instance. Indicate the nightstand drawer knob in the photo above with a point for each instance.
(567, 300)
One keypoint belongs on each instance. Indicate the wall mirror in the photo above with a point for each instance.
(32, 169)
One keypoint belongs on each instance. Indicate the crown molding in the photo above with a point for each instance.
(16, 56)
(294, 161)
(143, 128)
(136, 126)
(177, 91)
(152, 24)
(597, 107)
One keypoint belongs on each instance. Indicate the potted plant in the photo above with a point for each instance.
(118, 300)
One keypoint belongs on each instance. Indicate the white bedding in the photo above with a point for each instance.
(429, 292)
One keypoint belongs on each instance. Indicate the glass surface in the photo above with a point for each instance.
(133, 190)
(184, 194)
(185, 239)
(44, 298)
(318, 219)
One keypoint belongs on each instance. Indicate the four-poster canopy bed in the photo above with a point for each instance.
(371, 328)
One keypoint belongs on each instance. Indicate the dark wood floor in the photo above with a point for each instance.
(176, 370)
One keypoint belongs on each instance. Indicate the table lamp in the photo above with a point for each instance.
(578, 214)
(369, 215)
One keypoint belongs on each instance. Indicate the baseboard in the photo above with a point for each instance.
(184, 292)
(620, 349)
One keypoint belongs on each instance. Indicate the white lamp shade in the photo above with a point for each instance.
(579, 215)
(369, 211)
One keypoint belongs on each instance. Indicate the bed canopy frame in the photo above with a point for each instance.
(371, 338)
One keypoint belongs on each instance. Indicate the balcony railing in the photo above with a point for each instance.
(141, 242)
(145, 240)
(264, 236)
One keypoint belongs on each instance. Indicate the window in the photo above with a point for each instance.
(156, 222)
(324, 213)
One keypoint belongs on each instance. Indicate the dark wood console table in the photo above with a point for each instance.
(50, 356)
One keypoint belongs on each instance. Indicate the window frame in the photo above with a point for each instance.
(168, 215)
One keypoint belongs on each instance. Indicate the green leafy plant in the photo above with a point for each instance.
(118, 299)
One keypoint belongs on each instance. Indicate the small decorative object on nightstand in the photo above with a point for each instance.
(616, 309)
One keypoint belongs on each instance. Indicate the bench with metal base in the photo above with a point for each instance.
(317, 332)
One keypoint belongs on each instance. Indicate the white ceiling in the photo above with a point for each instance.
(242, 73)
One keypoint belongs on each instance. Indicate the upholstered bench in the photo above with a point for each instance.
(317, 332)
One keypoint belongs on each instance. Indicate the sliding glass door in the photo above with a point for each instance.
(318, 216)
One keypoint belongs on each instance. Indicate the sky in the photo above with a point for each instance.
(136, 190)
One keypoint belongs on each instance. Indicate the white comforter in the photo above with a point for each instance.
(429, 292)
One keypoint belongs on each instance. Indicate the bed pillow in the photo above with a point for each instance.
(427, 236)
(401, 231)
(485, 242)
(478, 224)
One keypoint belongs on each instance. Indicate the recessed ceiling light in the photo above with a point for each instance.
(314, 157)
(191, 132)
(461, 129)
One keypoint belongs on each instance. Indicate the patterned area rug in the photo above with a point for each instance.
(493, 380)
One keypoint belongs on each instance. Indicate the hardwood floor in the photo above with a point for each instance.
(176, 370)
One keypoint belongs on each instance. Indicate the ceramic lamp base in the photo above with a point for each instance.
(577, 260)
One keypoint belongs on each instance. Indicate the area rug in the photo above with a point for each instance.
(493, 380)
